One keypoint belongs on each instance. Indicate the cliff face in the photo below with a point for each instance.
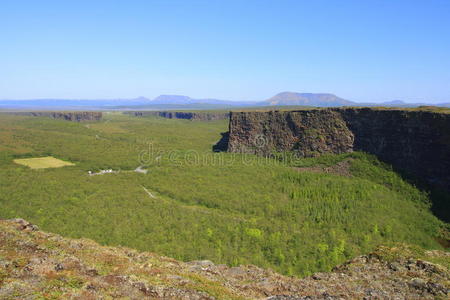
(309, 132)
(78, 116)
(197, 116)
(414, 141)
(417, 142)
(40, 265)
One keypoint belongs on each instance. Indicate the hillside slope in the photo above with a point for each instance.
(39, 265)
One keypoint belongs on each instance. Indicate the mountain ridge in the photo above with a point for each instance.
(167, 101)
(307, 99)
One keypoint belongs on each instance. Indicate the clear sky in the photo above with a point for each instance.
(240, 50)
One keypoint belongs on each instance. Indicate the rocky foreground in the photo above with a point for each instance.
(40, 265)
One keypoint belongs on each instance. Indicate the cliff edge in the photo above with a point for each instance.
(195, 116)
(39, 265)
(76, 116)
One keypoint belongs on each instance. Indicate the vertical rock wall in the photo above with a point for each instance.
(77, 116)
(417, 142)
(197, 116)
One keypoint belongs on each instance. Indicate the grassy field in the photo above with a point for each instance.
(42, 162)
(195, 204)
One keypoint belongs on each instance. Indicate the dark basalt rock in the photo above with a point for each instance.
(76, 116)
(197, 116)
(308, 132)
(415, 142)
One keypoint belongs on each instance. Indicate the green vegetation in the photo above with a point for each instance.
(225, 207)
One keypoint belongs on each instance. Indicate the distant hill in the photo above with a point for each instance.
(308, 99)
(172, 99)
(160, 102)
(184, 100)
(400, 103)
(70, 103)
(395, 102)
(169, 102)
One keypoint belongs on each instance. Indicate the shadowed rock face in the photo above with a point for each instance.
(416, 142)
(222, 144)
(69, 116)
(198, 116)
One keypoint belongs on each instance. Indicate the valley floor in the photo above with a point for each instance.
(294, 216)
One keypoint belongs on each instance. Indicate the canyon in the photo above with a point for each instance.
(75, 116)
(196, 116)
(415, 142)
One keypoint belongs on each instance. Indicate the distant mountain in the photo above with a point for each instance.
(394, 102)
(70, 103)
(172, 99)
(308, 99)
(167, 102)
(400, 103)
(180, 99)
(160, 102)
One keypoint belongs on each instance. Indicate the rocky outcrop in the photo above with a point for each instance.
(196, 116)
(39, 265)
(76, 116)
(414, 141)
(308, 132)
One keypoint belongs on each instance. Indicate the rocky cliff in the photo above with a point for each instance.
(39, 265)
(76, 116)
(196, 116)
(414, 141)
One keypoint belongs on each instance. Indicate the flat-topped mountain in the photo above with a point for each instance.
(307, 99)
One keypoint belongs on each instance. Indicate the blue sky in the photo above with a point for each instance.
(239, 50)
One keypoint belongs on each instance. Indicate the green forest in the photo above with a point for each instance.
(195, 204)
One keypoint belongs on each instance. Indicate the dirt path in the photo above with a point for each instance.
(149, 193)
(342, 168)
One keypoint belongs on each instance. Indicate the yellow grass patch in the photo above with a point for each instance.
(43, 162)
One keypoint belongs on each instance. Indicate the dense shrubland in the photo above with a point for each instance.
(225, 207)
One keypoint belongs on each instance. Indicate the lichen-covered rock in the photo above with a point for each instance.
(39, 265)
